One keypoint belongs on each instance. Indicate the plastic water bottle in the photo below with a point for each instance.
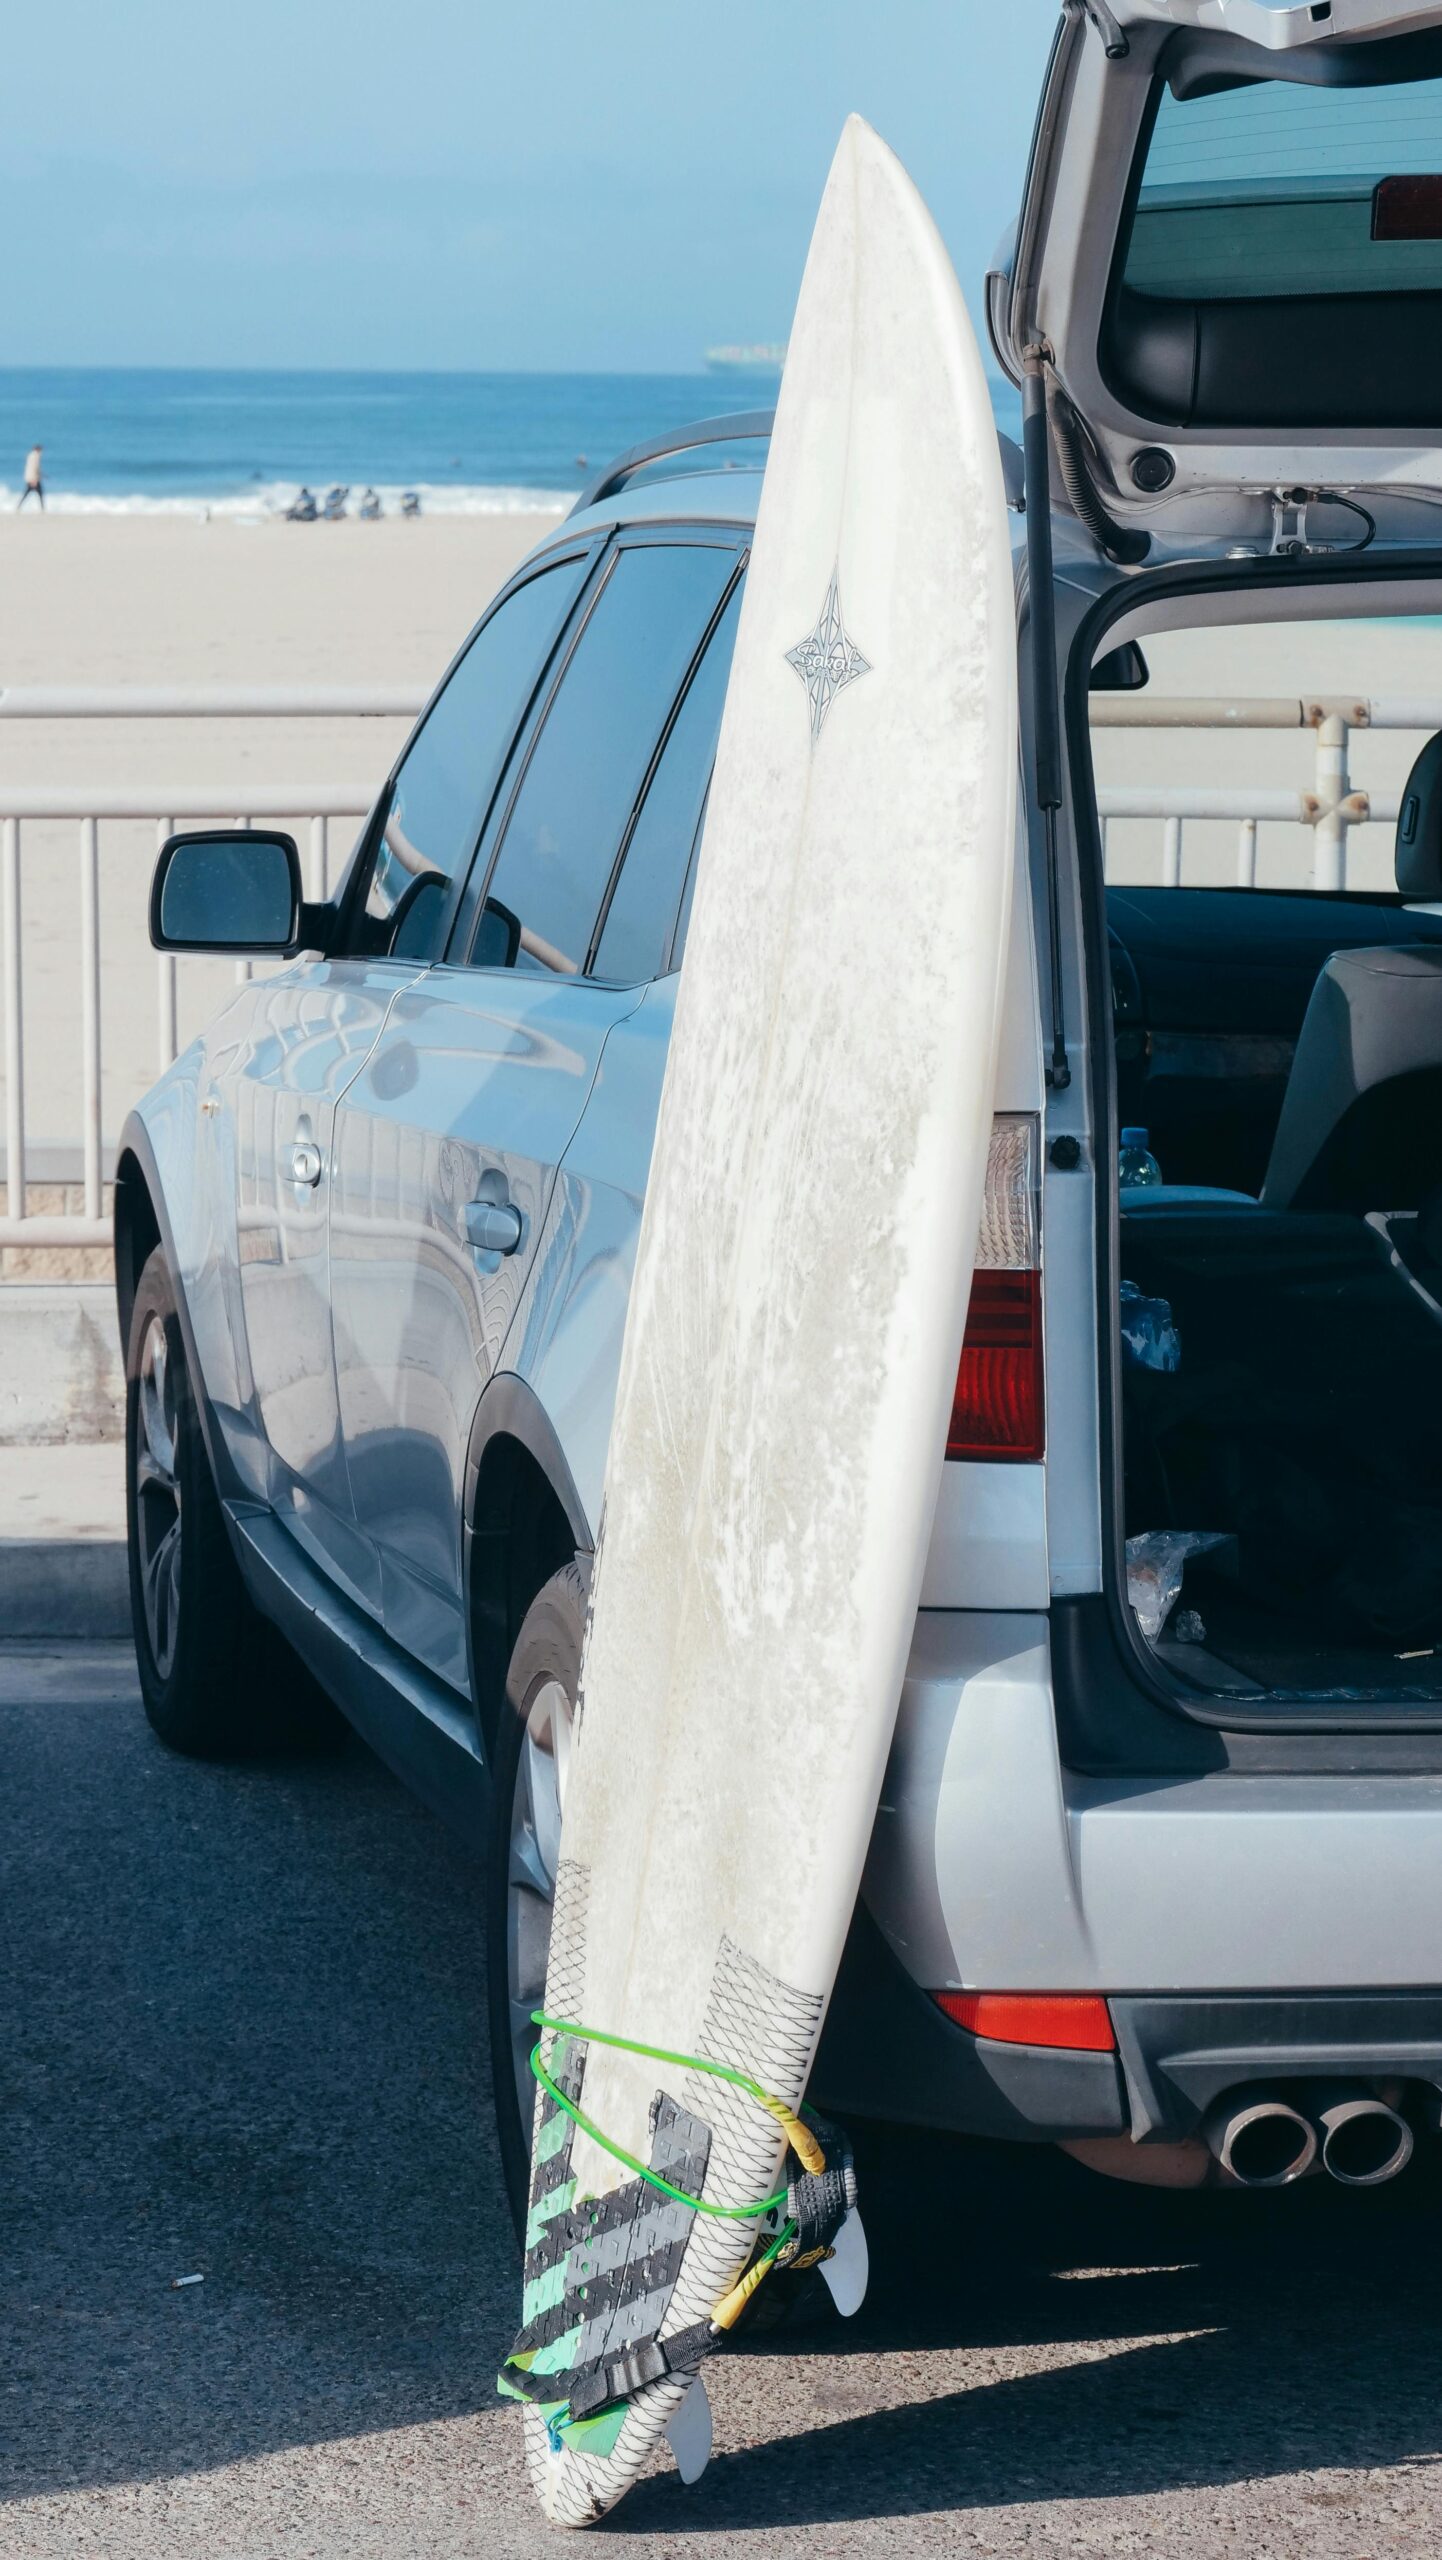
(1150, 1336)
(1137, 1167)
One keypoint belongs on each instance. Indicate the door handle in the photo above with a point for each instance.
(493, 1226)
(305, 1163)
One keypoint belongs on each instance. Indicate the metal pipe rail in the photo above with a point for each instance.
(189, 800)
(1331, 809)
(212, 702)
(1262, 711)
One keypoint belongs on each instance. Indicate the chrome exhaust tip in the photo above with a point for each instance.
(1260, 2140)
(1364, 2141)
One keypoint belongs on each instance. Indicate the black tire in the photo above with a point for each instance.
(217, 1680)
(547, 1653)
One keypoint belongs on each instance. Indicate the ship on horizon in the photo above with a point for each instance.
(764, 357)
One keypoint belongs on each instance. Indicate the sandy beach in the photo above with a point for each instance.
(153, 600)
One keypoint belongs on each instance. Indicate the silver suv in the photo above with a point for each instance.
(1157, 1870)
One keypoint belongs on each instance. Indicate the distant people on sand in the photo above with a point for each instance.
(34, 479)
(304, 507)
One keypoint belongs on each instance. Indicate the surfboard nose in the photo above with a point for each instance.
(859, 143)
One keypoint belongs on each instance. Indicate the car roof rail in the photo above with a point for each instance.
(725, 430)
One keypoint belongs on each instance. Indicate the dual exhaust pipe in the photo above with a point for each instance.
(1261, 2138)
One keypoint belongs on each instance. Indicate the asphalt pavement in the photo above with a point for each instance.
(243, 2039)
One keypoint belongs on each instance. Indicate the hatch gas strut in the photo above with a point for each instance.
(1045, 725)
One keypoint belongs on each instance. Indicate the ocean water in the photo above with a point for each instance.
(241, 444)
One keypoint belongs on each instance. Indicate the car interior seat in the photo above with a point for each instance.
(1361, 1122)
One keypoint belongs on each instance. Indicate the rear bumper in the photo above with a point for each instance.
(1178, 2055)
(890, 2054)
(994, 1867)
(1205, 1906)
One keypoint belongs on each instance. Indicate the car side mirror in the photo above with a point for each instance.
(231, 889)
(498, 937)
(417, 915)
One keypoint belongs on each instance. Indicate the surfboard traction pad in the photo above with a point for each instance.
(618, 2289)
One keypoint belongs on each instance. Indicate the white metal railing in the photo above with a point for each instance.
(1331, 808)
(90, 804)
(211, 701)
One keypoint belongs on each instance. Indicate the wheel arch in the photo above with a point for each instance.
(143, 1222)
(524, 1519)
(137, 1233)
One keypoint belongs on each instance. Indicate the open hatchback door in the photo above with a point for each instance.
(1229, 260)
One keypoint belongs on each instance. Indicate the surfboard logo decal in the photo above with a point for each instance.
(827, 660)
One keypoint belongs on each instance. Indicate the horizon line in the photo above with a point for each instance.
(445, 373)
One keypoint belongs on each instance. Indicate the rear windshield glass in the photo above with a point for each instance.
(1280, 189)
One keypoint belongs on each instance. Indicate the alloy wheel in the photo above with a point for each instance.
(537, 1801)
(157, 1496)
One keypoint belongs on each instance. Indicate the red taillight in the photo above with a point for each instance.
(1078, 2020)
(996, 1411)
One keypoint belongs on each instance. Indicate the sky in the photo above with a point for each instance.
(449, 186)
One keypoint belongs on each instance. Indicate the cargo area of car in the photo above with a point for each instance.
(1283, 1480)
(1276, 994)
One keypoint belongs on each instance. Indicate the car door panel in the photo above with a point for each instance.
(567, 1339)
(471, 1094)
(310, 1033)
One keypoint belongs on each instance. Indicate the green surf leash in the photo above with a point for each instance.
(589, 2419)
(803, 2142)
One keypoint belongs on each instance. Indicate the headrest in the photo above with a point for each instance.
(1362, 1100)
(1419, 826)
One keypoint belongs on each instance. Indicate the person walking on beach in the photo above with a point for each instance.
(34, 483)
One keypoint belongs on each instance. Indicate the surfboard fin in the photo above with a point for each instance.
(848, 2266)
(818, 2226)
(688, 2432)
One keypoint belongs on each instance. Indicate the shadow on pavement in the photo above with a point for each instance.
(1317, 2342)
(245, 2038)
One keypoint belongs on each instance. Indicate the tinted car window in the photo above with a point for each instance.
(589, 763)
(640, 920)
(688, 894)
(1280, 188)
(439, 798)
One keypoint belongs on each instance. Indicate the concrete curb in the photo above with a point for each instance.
(63, 1587)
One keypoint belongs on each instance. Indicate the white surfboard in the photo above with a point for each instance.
(803, 1269)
